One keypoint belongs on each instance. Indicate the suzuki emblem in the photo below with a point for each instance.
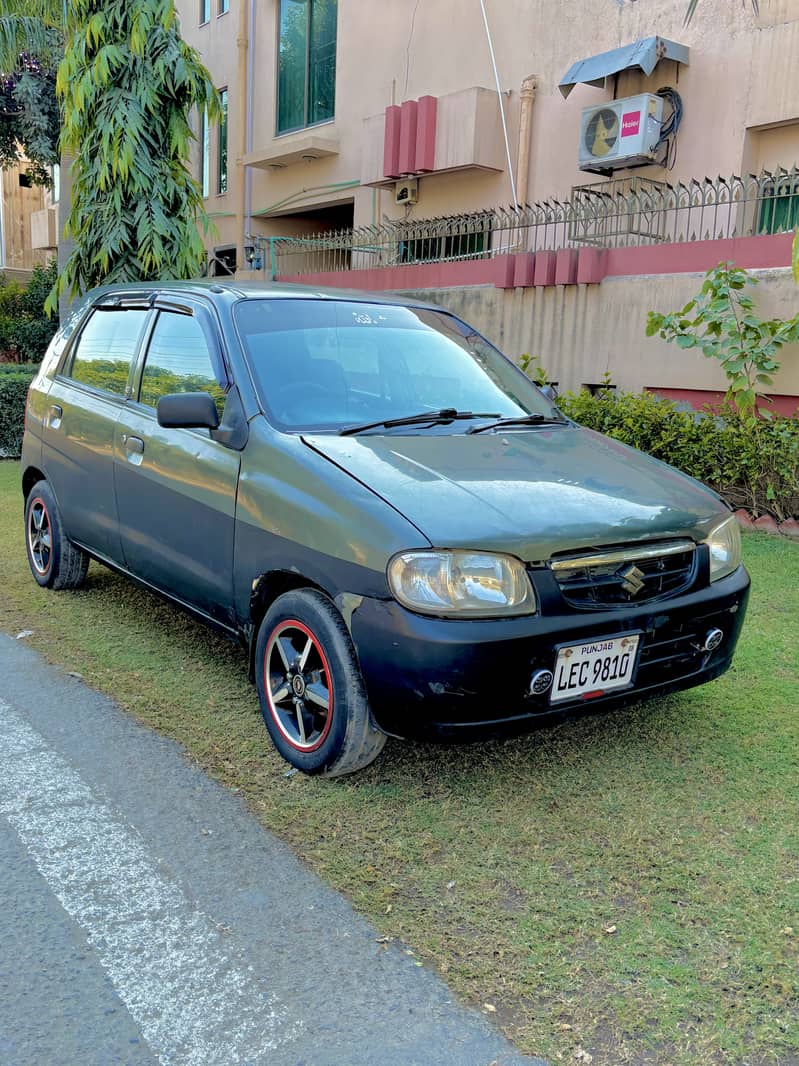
(633, 580)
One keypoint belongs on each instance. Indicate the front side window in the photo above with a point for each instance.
(106, 348)
(178, 360)
(306, 81)
(327, 364)
(221, 176)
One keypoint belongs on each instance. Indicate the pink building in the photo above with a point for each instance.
(366, 144)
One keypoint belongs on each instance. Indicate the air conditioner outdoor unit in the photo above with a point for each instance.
(406, 192)
(621, 133)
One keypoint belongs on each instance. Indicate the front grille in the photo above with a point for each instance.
(625, 576)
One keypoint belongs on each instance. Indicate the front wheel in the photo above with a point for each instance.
(310, 687)
(54, 561)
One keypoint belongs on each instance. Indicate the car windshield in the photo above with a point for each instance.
(328, 365)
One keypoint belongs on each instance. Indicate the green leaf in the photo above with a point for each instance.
(686, 341)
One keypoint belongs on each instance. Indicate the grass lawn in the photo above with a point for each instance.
(626, 884)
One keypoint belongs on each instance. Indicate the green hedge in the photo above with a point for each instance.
(755, 468)
(14, 382)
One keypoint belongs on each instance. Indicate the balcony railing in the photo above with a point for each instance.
(609, 214)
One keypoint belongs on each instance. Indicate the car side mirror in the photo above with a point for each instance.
(550, 392)
(187, 410)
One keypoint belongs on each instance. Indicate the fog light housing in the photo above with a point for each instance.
(541, 682)
(713, 639)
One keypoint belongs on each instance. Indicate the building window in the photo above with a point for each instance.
(205, 155)
(205, 11)
(306, 81)
(471, 244)
(779, 208)
(224, 7)
(221, 159)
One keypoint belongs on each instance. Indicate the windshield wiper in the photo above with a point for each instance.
(446, 414)
(526, 420)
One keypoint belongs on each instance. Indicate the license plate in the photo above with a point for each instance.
(592, 669)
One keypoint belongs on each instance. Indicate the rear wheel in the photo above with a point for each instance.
(54, 561)
(309, 683)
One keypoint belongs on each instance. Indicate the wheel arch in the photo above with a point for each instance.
(31, 475)
(265, 590)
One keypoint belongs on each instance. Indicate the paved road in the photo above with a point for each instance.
(146, 918)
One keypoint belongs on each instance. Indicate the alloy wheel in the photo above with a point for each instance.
(298, 684)
(40, 536)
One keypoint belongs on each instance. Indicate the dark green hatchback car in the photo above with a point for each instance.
(406, 534)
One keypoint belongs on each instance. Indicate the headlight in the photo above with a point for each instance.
(725, 548)
(462, 583)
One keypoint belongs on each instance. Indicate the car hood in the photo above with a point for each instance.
(528, 492)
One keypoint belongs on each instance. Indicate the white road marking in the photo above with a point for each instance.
(169, 962)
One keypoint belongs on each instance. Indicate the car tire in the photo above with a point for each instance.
(310, 687)
(54, 561)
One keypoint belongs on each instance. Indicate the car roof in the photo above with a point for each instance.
(251, 290)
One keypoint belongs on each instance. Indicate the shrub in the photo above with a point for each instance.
(25, 329)
(14, 383)
(722, 323)
(752, 464)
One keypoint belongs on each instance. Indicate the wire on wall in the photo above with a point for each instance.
(670, 125)
(501, 102)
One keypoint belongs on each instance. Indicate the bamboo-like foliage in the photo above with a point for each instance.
(33, 27)
(128, 83)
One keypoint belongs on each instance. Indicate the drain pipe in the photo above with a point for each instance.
(248, 143)
(242, 42)
(527, 97)
(501, 101)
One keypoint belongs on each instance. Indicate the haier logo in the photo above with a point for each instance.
(630, 123)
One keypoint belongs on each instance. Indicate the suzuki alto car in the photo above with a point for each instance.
(404, 532)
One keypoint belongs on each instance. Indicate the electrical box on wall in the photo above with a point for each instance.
(621, 133)
(406, 192)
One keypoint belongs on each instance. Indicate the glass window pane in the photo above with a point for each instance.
(178, 360)
(322, 61)
(106, 349)
(224, 6)
(205, 155)
(292, 61)
(328, 364)
(205, 11)
(221, 177)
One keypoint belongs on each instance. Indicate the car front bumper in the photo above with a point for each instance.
(446, 679)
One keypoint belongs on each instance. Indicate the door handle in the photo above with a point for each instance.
(134, 444)
(54, 415)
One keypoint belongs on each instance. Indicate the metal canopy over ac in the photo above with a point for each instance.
(644, 54)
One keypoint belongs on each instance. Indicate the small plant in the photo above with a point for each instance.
(534, 369)
(721, 321)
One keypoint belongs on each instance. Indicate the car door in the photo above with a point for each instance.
(176, 488)
(83, 405)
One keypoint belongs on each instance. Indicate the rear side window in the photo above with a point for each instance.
(106, 348)
(178, 360)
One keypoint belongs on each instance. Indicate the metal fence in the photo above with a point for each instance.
(609, 214)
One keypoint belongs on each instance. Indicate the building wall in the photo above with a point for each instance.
(740, 92)
(580, 332)
(19, 203)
